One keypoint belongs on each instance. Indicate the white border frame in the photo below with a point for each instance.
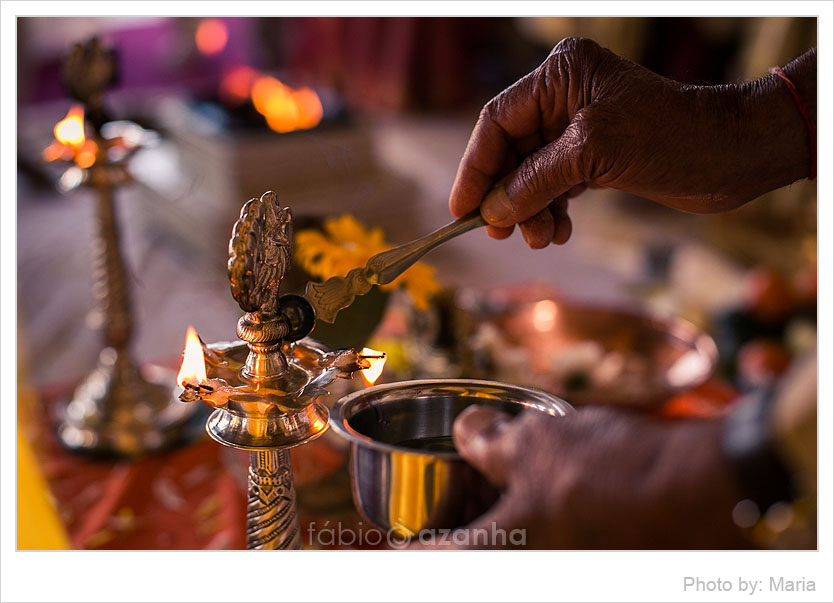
(580, 576)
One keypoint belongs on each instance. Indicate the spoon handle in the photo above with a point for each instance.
(338, 292)
(384, 267)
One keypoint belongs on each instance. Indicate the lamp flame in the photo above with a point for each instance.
(377, 360)
(193, 361)
(70, 130)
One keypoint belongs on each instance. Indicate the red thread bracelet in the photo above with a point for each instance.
(812, 128)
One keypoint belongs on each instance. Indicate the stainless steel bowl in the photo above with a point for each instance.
(405, 474)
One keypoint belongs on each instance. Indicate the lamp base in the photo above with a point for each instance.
(119, 411)
(268, 432)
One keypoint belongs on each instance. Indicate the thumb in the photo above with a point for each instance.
(541, 177)
(480, 436)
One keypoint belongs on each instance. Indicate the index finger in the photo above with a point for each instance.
(514, 114)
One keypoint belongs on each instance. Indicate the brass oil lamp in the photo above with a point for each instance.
(117, 409)
(265, 388)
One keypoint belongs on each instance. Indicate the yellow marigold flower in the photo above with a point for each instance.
(346, 244)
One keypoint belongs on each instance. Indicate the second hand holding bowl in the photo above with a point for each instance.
(405, 474)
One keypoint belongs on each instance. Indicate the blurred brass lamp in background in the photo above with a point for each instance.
(117, 409)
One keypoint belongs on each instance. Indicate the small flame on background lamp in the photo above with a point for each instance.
(211, 36)
(70, 141)
(193, 361)
(70, 130)
(372, 373)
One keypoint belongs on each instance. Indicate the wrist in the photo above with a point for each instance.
(757, 138)
(741, 143)
(774, 138)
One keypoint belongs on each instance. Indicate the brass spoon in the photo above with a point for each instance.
(338, 292)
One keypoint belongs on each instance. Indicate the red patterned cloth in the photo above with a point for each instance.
(192, 497)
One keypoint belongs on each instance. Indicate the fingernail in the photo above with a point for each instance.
(564, 228)
(535, 241)
(535, 236)
(497, 207)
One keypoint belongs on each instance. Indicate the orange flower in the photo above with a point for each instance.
(346, 244)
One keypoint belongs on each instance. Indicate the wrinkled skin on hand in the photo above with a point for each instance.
(587, 117)
(602, 479)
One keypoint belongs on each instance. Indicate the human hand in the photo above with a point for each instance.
(602, 479)
(588, 117)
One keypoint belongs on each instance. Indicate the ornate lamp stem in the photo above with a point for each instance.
(271, 518)
(109, 288)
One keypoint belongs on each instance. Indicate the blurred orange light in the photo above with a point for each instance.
(70, 130)
(193, 361)
(545, 315)
(283, 117)
(211, 36)
(267, 93)
(86, 155)
(85, 159)
(286, 109)
(236, 84)
(372, 373)
(309, 108)
(54, 151)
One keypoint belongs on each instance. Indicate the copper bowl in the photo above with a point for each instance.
(589, 354)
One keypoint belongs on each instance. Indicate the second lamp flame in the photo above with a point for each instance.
(193, 361)
(70, 130)
(377, 360)
(70, 142)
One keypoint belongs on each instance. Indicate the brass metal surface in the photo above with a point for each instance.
(271, 518)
